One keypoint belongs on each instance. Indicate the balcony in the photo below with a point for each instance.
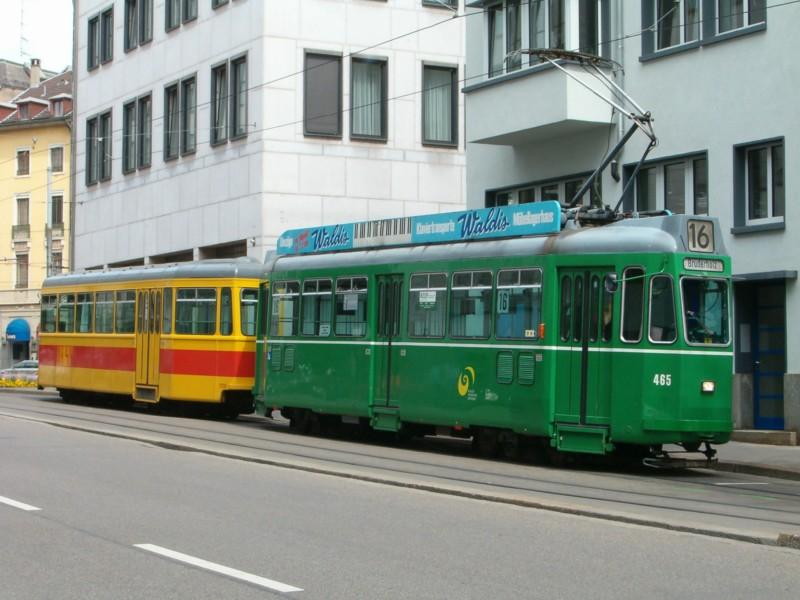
(535, 105)
(20, 233)
(57, 231)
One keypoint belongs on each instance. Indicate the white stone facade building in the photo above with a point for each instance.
(205, 128)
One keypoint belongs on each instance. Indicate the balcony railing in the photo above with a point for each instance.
(20, 233)
(57, 231)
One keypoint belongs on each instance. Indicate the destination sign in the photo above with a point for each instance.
(703, 264)
(481, 224)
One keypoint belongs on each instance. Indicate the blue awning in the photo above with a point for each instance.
(18, 330)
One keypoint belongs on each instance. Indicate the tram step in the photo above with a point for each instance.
(146, 394)
(577, 438)
(385, 419)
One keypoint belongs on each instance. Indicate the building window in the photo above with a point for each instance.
(368, 99)
(678, 22)
(439, 105)
(107, 26)
(322, 102)
(239, 97)
(735, 14)
(171, 124)
(23, 162)
(561, 190)
(56, 265)
(131, 24)
(188, 115)
(22, 109)
(104, 146)
(91, 151)
(189, 10)
(218, 3)
(129, 137)
(172, 14)
(145, 21)
(547, 27)
(764, 183)
(219, 104)
(22, 271)
(57, 209)
(23, 211)
(440, 3)
(144, 129)
(678, 185)
(57, 159)
(58, 108)
(93, 43)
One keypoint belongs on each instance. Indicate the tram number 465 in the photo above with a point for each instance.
(662, 379)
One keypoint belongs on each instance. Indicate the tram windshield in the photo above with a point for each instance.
(705, 311)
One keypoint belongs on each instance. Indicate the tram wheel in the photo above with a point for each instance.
(485, 442)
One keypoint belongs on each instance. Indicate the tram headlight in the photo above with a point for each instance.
(708, 387)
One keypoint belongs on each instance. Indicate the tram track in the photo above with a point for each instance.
(699, 499)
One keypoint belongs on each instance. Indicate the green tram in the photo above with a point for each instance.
(581, 339)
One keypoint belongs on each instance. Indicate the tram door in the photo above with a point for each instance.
(584, 356)
(390, 294)
(148, 334)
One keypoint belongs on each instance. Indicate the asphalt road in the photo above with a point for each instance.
(100, 498)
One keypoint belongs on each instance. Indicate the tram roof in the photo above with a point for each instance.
(650, 235)
(245, 267)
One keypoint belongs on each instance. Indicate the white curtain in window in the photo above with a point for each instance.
(220, 104)
(438, 102)
(367, 101)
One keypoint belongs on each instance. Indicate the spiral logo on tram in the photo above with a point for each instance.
(465, 380)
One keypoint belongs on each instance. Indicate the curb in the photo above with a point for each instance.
(783, 539)
(761, 470)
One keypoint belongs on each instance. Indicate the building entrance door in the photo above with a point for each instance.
(769, 354)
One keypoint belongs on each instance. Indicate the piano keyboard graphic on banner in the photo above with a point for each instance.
(383, 232)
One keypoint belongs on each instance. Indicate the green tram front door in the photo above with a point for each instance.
(385, 405)
(148, 337)
(584, 359)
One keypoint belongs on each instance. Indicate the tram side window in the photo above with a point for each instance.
(566, 308)
(351, 307)
(471, 305)
(226, 312)
(48, 318)
(83, 316)
(196, 311)
(66, 313)
(662, 310)
(248, 307)
(519, 304)
(427, 305)
(104, 312)
(705, 309)
(166, 325)
(632, 304)
(285, 308)
(125, 316)
(317, 305)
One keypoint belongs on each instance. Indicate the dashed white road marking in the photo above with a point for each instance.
(744, 483)
(15, 504)
(217, 568)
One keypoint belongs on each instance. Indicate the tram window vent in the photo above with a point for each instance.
(525, 368)
(276, 357)
(288, 358)
(505, 367)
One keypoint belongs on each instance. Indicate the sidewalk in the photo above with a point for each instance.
(760, 459)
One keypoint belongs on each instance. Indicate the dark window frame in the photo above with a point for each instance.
(219, 132)
(742, 224)
(144, 130)
(185, 147)
(233, 82)
(129, 137)
(107, 35)
(93, 43)
(454, 139)
(327, 58)
(384, 103)
(172, 124)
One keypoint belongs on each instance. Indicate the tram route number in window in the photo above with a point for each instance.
(701, 236)
(662, 379)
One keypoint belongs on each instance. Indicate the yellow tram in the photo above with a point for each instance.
(182, 332)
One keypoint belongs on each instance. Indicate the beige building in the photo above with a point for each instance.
(34, 204)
